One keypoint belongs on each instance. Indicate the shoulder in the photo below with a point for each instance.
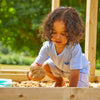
(74, 48)
(47, 44)
(77, 46)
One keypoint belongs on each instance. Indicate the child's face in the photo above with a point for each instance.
(59, 34)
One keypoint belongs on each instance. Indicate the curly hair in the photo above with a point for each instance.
(73, 24)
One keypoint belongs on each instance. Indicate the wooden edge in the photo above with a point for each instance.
(91, 33)
(94, 78)
(55, 4)
(58, 93)
(23, 77)
(6, 71)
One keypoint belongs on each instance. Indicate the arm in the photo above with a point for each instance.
(34, 64)
(75, 65)
(43, 53)
(33, 71)
(74, 77)
(29, 74)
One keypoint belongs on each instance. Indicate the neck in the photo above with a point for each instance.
(59, 49)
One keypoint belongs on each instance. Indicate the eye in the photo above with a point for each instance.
(54, 33)
(63, 34)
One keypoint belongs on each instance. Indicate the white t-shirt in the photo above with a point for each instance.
(70, 58)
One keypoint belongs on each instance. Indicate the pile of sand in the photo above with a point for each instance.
(38, 73)
(46, 84)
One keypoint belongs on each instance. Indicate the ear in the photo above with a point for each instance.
(66, 33)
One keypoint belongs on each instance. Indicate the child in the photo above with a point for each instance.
(63, 28)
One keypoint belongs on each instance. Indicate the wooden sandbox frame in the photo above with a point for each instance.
(60, 93)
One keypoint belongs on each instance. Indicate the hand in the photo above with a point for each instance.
(36, 73)
(29, 75)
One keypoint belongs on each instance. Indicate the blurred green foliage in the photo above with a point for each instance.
(20, 21)
(16, 59)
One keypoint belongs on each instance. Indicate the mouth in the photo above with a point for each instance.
(57, 41)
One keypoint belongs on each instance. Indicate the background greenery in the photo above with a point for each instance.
(20, 38)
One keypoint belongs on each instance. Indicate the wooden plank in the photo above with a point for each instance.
(85, 94)
(34, 94)
(14, 71)
(55, 4)
(94, 79)
(22, 77)
(15, 77)
(91, 33)
(58, 93)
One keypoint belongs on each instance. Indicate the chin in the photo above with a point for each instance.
(58, 44)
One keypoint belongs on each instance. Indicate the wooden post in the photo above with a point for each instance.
(55, 4)
(91, 32)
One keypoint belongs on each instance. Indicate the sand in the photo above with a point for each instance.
(38, 73)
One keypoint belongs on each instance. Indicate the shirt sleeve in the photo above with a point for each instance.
(43, 54)
(76, 58)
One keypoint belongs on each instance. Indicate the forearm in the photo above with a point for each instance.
(74, 78)
(34, 64)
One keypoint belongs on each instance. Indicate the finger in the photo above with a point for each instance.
(28, 76)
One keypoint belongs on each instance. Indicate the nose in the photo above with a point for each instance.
(58, 36)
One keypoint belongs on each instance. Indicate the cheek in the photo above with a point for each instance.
(52, 38)
(64, 40)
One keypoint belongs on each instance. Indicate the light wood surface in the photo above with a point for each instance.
(13, 71)
(91, 33)
(55, 4)
(85, 94)
(50, 93)
(23, 77)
